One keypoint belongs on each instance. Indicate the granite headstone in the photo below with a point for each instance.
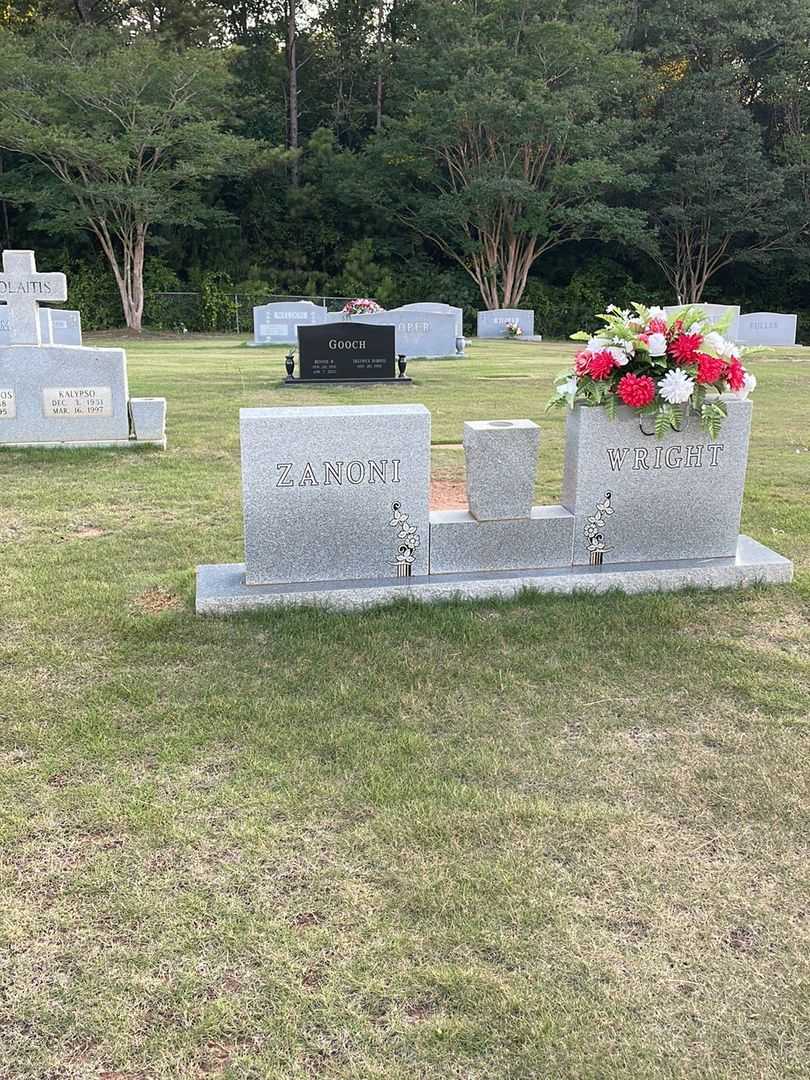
(637, 498)
(345, 352)
(59, 326)
(335, 492)
(492, 324)
(767, 328)
(714, 313)
(427, 335)
(436, 308)
(277, 324)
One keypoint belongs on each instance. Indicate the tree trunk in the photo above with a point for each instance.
(292, 87)
(380, 61)
(127, 268)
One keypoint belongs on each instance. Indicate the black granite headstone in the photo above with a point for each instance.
(345, 352)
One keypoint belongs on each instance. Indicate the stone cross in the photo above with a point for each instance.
(22, 289)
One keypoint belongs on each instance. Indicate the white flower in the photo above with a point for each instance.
(657, 344)
(619, 355)
(748, 387)
(676, 387)
(596, 344)
(715, 341)
(569, 389)
(657, 313)
(623, 343)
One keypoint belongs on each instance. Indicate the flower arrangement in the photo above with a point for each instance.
(361, 306)
(513, 329)
(660, 367)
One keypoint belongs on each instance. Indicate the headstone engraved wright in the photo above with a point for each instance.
(767, 328)
(335, 492)
(493, 324)
(637, 498)
(346, 352)
(277, 324)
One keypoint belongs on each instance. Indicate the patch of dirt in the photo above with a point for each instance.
(305, 919)
(417, 1011)
(155, 600)
(448, 495)
(86, 531)
(741, 939)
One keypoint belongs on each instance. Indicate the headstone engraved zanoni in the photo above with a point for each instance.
(63, 394)
(336, 510)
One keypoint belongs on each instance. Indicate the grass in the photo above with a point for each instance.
(559, 837)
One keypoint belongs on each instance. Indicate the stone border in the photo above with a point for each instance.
(221, 589)
(128, 443)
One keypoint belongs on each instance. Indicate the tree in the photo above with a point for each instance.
(117, 138)
(518, 139)
(717, 199)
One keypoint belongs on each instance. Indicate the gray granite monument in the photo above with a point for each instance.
(714, 313)
(63, 395)
(492, 324)
(767, 328)
(420, 334)
(59, 326)
(335, 492)
(336, 511)
(277, 324)
(438, 309)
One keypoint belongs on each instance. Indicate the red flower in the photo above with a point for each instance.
(710, 368)
(735, 375)
(657, 326)
(684, 348)
(636, 390)
(601, 365)
(582, 362)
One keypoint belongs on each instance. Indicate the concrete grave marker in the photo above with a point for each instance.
(438, 309)
(492, 324)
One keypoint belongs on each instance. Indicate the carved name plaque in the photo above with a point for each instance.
(8, 404)
(69, 402)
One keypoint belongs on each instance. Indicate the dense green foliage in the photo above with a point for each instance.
(483, 152)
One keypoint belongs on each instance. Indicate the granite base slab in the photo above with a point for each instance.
(100, 444)
(346, 382)
(221, 590)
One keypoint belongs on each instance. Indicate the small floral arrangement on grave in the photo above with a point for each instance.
(513, 329)
(361, 306)
(660, 367)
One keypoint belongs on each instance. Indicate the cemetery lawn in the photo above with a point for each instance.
(559, 837)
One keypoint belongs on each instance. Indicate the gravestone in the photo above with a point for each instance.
(650, 500)
(277, 324)
(336, 512)
(335, 492)
(5, 326)
(428, 335)
(492, 324)
(767, 328)
(59, 326)
(62, 395)
(714, 313)
(346, 352)
(438, 309)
